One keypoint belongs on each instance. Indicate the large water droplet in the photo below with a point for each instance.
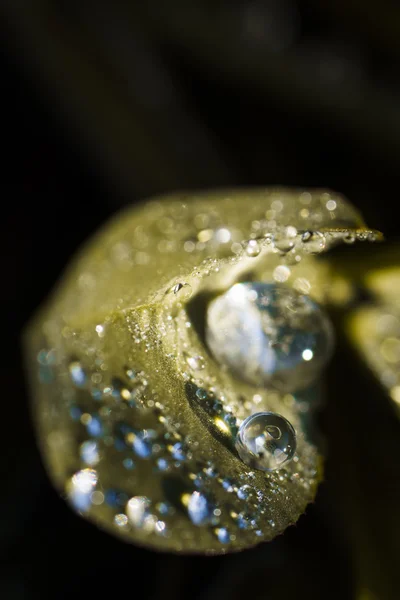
(266, 441)
(269, 335)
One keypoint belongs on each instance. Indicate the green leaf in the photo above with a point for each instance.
(135, 419)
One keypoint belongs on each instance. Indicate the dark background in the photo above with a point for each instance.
(105, 103)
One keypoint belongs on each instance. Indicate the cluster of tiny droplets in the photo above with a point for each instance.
(165, 449)
(167, 452)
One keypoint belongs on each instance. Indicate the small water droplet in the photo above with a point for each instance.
(178, 451)
(200, 509)
(223, 535)
(211, 472)
(227, 485)
(314, 242)
(243, 521)
(201, 394)
(244, 492)
(94, 426)
(182, 291)
(81, 487)
(253, 248)
(137, 510)
(350, 237)
(130, 373)
(77, 373)
(266, 441)
(230, 419)
(197, 363)
(142, 443)
(217, 407)
(162, 464)
(222, 235)
(284, 245)
(121, 520)
(89, 452)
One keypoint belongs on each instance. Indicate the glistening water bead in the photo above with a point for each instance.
(266, 441)
(269, 335)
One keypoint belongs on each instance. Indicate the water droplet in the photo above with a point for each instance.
(350, 237)
(77, 374)
(243, 521)
(94, 426)
(130, 373)
(222, 235)
(162, 464)
(121, 520)
(244, 492)
(81, 487)
(253, 248)
(227, 485)
(314, 242)
(223, 535)
(211, 472)
(89, 452)
(200, 509)
(269, 334)
(137, 510)
(284, 245)
(230, 419)
(201, 394)
(142, 443)
(266, 441)
(196, 363)
(160, 527)
(182, 291)
(100, 330)
(178, 451)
